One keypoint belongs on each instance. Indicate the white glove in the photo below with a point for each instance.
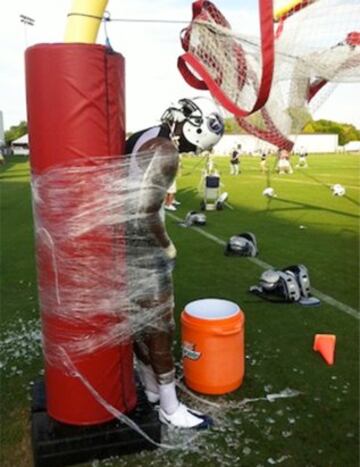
(170, 251)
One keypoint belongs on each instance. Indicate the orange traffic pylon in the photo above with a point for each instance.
(325, 344)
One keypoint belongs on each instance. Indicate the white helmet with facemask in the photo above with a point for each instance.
(203, 124)
(291, 284)
(338, 190)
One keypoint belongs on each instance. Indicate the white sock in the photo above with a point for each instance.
(168, 398)
(148, 379)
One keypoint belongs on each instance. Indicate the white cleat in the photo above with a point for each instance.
(183, 417)
(170, 207)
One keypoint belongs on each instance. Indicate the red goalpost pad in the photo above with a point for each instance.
(76, 116)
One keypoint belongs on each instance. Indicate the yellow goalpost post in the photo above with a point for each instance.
(284, 8)
(84, 20)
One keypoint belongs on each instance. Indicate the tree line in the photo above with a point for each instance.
(347, 132)
(15, 132)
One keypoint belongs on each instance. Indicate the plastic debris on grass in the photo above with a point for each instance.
(226, 444)
(277, 461)
(20, 345)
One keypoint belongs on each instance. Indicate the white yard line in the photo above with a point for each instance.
(300, 182)
(325, 298)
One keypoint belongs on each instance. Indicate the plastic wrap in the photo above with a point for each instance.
(105, 261)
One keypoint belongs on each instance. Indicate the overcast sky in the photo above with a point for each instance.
(151, 52)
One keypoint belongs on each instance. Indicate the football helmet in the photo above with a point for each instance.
(202, 123)
(280, 285)
(195, 218)
(291, 284)
(338, 190)
(243, 244)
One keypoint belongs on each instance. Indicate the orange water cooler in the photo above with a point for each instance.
(213, 346)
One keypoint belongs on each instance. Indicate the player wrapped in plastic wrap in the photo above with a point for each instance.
(149, 250)
(189, 125)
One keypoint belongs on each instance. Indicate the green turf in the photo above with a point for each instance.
(319, 427)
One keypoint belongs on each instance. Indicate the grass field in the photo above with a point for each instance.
(316, 427)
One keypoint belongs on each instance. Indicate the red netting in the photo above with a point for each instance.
(220, 60)
(270, 83)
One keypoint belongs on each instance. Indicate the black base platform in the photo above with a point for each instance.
(57, 444)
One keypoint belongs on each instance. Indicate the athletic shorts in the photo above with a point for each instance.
(150, 292)
(149, 274)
